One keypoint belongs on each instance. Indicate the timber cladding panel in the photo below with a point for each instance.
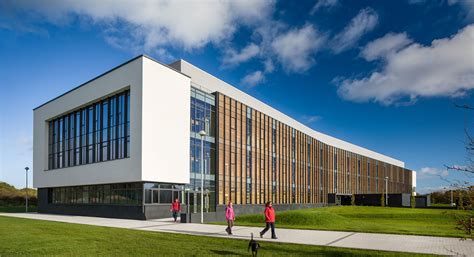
(261, 159)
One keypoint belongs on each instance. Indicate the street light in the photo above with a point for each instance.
(386, 191)
(445, 188)
(26, 190)
(202, 133)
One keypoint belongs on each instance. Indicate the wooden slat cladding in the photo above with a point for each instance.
(261, 159)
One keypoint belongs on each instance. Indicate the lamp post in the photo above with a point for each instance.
(202, 133)
(26, 190)
(386, 191)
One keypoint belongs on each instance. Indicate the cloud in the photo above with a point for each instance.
(445, 68)
(186, 24)
(362, 23)
(269, 67)
(385, 46)
(430, 189)
(232, 58)
(253, 79)
(311, 118)
(323, 4)
(430, 172)
(294, 49)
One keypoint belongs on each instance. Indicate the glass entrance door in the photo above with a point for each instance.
(194, 201)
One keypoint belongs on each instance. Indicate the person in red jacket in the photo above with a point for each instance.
(175, 208)
(269, 220)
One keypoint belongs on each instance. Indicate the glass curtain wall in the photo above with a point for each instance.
(203, 117)
(95, 133)
(114, 194)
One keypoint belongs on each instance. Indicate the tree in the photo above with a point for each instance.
(382, 200)
(465, 223)
(460, 201)
(353, 200)
(412, 200)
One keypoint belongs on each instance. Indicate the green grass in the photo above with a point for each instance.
(25, 237)
(432, 222)
(442, 205)
(17, 208)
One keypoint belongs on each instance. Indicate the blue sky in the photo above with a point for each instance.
(381, 74)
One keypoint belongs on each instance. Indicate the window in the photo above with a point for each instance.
(116, 194)
(95, 133)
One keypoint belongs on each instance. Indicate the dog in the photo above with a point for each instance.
(254, 245)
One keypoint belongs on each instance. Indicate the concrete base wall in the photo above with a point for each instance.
(160, 211)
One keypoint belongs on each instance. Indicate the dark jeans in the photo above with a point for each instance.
(230, 224)
(269, 225)
(175, 215)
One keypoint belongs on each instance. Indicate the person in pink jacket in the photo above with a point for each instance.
(230, 217)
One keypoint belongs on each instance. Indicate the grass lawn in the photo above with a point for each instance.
(432, 222)
(24, 237)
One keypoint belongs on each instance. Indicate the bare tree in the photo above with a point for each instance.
(465, 189)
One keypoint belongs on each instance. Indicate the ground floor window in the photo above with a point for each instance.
(117, 194)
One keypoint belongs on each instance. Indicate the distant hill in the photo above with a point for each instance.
(11, 195)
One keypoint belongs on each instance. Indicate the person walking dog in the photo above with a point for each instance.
(175, 209)
(230, 217)
(269, 220)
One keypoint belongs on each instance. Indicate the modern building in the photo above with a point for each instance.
(127, 142)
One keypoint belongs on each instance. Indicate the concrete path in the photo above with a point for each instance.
(385, 242)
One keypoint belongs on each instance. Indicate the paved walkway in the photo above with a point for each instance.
(385, 242)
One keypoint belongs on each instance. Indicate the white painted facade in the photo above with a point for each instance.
(207, 82)
(159, 132)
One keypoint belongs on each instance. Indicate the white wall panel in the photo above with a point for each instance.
(166, 124)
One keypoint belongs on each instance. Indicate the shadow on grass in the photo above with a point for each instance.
(223, 252)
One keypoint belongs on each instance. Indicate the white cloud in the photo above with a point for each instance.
(188, 24)
(323, 4)
(362, 23)
(294, 49)
(269, 67)
(430, 189)
(385, 46)
(311, 118)
(233, 58)
(445, 68)
(253, 79)
(430, 172)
